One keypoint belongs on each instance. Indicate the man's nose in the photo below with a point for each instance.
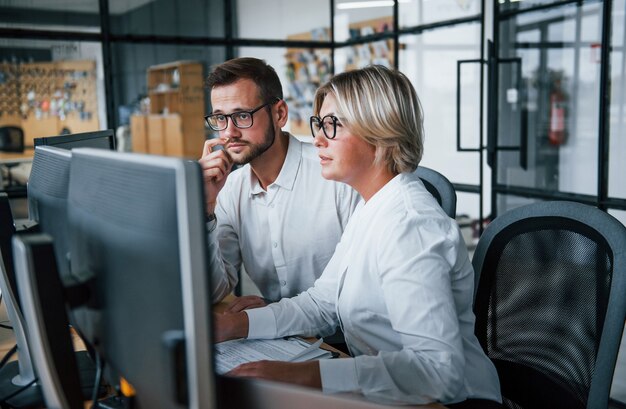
(231, 130)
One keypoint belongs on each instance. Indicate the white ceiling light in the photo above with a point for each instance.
(367, 4)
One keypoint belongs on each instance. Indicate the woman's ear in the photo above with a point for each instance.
(281, 113)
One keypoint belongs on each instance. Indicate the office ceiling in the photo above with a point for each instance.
(82, 6)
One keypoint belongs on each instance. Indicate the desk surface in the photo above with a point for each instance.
(286, 393)
(17, 157)
(262, 390)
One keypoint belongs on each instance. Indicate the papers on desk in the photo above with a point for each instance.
(230, 354)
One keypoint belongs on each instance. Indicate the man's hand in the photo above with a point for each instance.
(300, 373)
(216, 166)
(230, 326)
(245, 302)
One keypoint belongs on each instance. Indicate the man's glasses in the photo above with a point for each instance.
(328, 125)
(241, 119)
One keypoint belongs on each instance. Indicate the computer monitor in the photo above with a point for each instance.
(47, 191)
(47, 199)
(98, 139)
(138, 228)
(15, 375)
(43, 306)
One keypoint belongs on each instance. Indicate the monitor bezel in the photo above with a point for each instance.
(75, 138)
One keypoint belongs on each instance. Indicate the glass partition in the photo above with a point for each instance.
(413, 13)
(283, 20)
(548, 99)
(430, 62)
(54, 15)
(191, 18)
(49, 87)
(617, 110)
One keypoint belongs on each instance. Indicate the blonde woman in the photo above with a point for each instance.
(400, 282)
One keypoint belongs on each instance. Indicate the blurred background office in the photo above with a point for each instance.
(524, 100)
(544, 117)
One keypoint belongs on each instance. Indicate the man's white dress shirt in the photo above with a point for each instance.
(400, 284)
(284, 236)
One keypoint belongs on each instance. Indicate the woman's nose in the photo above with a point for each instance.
(319, 140)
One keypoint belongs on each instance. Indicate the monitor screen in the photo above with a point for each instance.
(98, 139)
(138, 232)
(47, 199)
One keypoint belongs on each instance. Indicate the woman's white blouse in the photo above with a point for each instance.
(401, 285)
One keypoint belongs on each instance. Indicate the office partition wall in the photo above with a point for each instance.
(536, 115)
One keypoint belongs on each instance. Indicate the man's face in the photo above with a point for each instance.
(244, 145)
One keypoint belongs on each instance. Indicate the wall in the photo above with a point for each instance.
(428, 60)
(168, 18)
(65, 50)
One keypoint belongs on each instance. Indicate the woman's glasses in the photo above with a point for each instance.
(327, 124)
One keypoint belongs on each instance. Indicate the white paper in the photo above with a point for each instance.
(230, 354)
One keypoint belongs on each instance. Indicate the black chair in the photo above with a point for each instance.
(550, 303)
(11, 140)
(440, 187)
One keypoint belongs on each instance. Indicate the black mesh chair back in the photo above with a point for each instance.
(11, 139)
(550, 303)
(440, 187)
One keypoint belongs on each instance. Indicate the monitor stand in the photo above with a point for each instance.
(15, 375)
(11, 381)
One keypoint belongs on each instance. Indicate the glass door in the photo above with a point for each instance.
(545, 136)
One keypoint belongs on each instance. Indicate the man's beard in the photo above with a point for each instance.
(258, 149)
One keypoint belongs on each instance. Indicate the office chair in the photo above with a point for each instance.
(550, 304)
(11, 140)
(440, 187)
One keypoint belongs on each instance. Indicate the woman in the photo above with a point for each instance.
(400, 282)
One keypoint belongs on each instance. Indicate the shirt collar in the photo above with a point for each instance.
(287, 176)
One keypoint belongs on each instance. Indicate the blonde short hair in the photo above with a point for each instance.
(381, 106)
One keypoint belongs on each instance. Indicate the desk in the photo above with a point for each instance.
(258, 394)
(7, 158)
(17, 157)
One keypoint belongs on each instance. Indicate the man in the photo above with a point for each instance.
(275, 215)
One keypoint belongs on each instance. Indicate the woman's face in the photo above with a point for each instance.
(346, 158)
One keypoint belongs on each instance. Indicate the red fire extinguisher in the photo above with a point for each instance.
(556, 134)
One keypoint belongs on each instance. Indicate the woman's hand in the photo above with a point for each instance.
(298, 373)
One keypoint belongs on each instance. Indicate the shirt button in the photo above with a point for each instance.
(272, 205)
(275, 244)
(283, 283)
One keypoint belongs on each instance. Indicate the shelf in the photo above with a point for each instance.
(175, 125)
(164, 91)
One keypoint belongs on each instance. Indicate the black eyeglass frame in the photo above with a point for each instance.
(234, 122)
(316, 119)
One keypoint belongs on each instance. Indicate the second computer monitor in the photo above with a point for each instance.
(47, 198)
(98, 139)
(139, 235)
